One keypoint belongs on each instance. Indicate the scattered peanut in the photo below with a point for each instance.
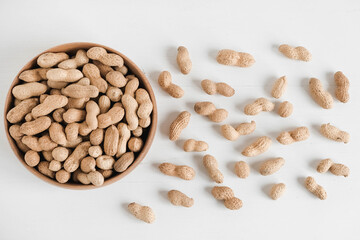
(221, 88)
(296, 135)
(258, 147)
(211, 165)
(233, 58)
(232, 134)
(333, 133)
(144, 213)
(337, 169)
(184, 172)
(208, 109)
(259, 105)
(285, 109)
(271, 166)
(179, 124)
(178, 198)
(183, 60)
(165, 82)
(342, 87)
(320, 96)
(227, 194)
(314, 188)
(242, 169)
(277, 190)
(279, 87)
(296, 53)
(191, 145)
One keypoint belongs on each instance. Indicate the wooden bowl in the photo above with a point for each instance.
(150, 131)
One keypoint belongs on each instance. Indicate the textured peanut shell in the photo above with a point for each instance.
(124, 162)
(54, 165)
(32, 158)
(211, 165)
(145, 104)
(144, 213)
(183, 60)
(279, 87)
(259, 105)
(47, 60)
(60, 153)
(179, 124)
(43, 168)
(79, 60)
(225, 193)
(36, 126)
(296, 135)
(109, 59)
(258, 147)
(296, 53)
(165, 82)
(73, 161)
(105, 162)
(51, 103)
(242, 169)
(135, 144)
(271, 166)
(95, 178)
(318, 93)
(62, 176)
(93, 73)
(277, 191)
(62, 75)
(233, 58)
(17, 113)
(314, 188)
(191, 145)
(184, 172)
(342, 87)
(80, 91)
(178, 198)
(28, 90)
(221, 88)
(130, 106)
(113, 116)
(208, 109)
(124, 134)
(337, 169)
(111, 140)
(333, 133)
(233, 134)
(285, 109)
(34, 75)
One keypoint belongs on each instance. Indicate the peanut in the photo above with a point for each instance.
(43, 168)
(208, 109)
(227, 194)
(337, 169)
(277, 191)
(56, 84)
(178, 198)
(111, 140)
(191, 145)
(78, 103)
(92, 111)
(259, 105)
(32, 158)
(285, 109)
(80, 60)
(17, 113)
(93, 73)
(74, 115)
(60, 153)
(105, 162)
(29, 117)
(95, 151)
(314, 188)
(333, 133)
(100, 54)
(51, 103)
(131, 86)
(114, 93)
(144, 213)
(211, 165)
(88, 164)
(144, 123)
(124, 162)
(271, 166)
(80, 91)
(184, 172)
(279, 87)
(106, 173)
(183, 60)
(242, 169)
(233, 134)
(97, 136)
(145, 105)
(124, 134)
(137, 132)
(73, 161)
(32, 143)
(28, 90)
(104, 69)
(62, 75)
(83, 177)
(258, 147)
(36, 126)
(296, 53)
(233, 58)
(72, 131)
(122, 69)
(47, 156)
(116, 79)
(104, 103)
(221, 88)
(342, 87)
(296, 135)
(179, 124)
(47, 60)
(113, 116)
(95, 178)
(34, 75)
(46, 144)
(62, 176)
(165, 82)
(54, 165)
(320, 96)
(131, 107)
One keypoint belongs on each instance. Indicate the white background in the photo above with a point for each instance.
(149, 32)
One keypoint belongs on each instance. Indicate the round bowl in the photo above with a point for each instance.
(149, 133)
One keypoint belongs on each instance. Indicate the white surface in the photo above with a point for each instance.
(149, 32)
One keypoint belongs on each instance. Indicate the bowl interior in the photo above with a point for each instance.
(148, 134)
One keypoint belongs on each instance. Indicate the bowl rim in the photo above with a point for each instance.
(74, 46)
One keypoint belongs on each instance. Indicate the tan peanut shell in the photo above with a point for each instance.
(80, 60)
(80, 91)
(95, 151)
(233, 58)
(130, 106)
(221, 88)
(73, 161)
(60, 153)
(211, 165)
(36, 126)
(74, 115)
(124, 162)
(17, 113)
(54, 165)
(318, 93)
(191, 145)
(145, 104)
(258, 147)
(135, 144)
(28, 90)
(111, 140)
(296, 135)
(62, 176)
(137, 132)
(32, 143)
(314, 188)
(183, 60)
(34, 75)
(296, 53)
(47, 60)
(113, 116)
(46, 144)
(100, 54)
(62, 75)
(337, 169)
(131, 86)
(242, 169)
(233, 134)
(95, 178)
(279, 87)
(184, 172)
(277, 190)
(179, 124)
(43, 168)
(104, 69)
(114, 93)
(271, 166)
(165, 82)
(144, 213)
(342, 87)
(105, 162)
(116, 78)
(178, 198)
(227, 195)
(208, 109)
(259, 105)
(51, 103)
(32, 158)
(92, 111)
(93, 73)
(331, 132)
(285, 109)
(124, 134)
